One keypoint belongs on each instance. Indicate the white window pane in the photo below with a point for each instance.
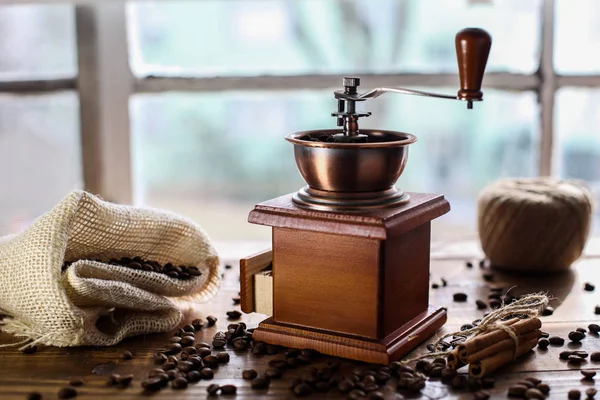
(212, 156)
(251, 37)
(37, 41)
(577, 37)
(39, 155)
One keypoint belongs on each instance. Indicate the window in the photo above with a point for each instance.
(211, 88)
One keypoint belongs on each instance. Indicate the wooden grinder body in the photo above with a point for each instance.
(353, 285)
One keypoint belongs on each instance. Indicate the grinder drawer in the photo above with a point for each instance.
(256, 283)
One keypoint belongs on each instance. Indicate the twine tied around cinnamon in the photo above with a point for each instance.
(530, 305)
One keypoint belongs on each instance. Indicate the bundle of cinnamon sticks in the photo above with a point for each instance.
(489, 351)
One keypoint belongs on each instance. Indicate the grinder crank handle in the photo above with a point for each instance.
(472, 51)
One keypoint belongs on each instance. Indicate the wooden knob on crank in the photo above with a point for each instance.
(472, 50)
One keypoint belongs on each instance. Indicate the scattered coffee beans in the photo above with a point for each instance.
(574, 394)
(594, 328)
(67, 393)
(126, 355)
(211, 320)
(213, 389)
(556, 340)
(228, 390)
(543, 343)
(576, 336)
(588, 374)
(249, 374)
(459, 297)
(589, 287)
(235, 314)
(481, 305)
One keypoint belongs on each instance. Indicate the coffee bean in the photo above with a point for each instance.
(211, 320)
(356, 394)
(466, 327)
(260, 383)
(548, 311)
(175, 339)
(160, 358)
(259, 348)
(227, 390)
(544, 335)
(597, 310)
(534, 393)
(481, 305)
(517, 390)
(595, 356)
(436, 372)
(234, 314)
(185, 366)
(488, 276)
(543, 343)
(223, 357)
(564, 355)
(76, 382)
(219, 343)
(459, 297)
(207, 373)
(173, 373)
(543, 387)
(187, 341)
(588, 374)
(274, 373)
(574, 394)
(113, 379)
(277, 363)
(435, 286)
(124, 381)
(573, 359)
(345, 385)
(152, 384)
(582, 330)
(34, 396)
(197, 324)
(179, 383)
(249, 374)
(444, 282)
(481, 395)
(376, 395)
(30, 350)
(589, 287)
(169, 365)
(591, 392)
(594, 328)
(236, 300)
(273, 349)
(576, 336)
(526, 383)
(67, 393)
(494, 304)
(213, 389)
(303, 389)
(469, 264)
(211, 361)
(556, 340)
(193, 376)
(173, 348)
(581, 353)
(126, 355)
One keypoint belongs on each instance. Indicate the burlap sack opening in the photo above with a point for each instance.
(95, 303)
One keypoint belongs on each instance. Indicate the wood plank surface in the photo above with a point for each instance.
(51, 368)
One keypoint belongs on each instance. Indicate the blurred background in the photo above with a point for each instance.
(183, 105)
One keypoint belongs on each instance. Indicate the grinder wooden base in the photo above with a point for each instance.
(352, 284)
(381, 351)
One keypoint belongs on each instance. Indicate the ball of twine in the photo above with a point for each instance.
(535, 224)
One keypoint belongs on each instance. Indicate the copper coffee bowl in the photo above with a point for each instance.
(342, 176)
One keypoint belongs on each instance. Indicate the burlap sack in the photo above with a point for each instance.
(95, 303)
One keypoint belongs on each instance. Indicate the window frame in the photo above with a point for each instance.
(105, 84)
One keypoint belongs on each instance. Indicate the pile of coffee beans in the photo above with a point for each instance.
(181, 272)
(529, 388)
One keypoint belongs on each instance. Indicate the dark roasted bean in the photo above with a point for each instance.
(67, 393)
(197, 324)
(448, 374)
(548, 311)
(533, 393)
(179, 383)
(589, 287)
(517, 390)
(588, 373)
(169, 365)
(207, 373)
(30, 350)
(173, 348)
(494, 304)
(533, 380)
(595, 356)
(574, 359)
(219, 343)
(303, 389)
(488, 276)
(223, 357)
(204, 352)
(291, 352)
(152, 384)
(376, 395)
(556, 340)
(576, 336)
(356, 394)
(594, 328)
(277, 363)
(249, 374)
(260, 383)
(185, 366)
(435, 286)
(193, 376)
(34, 396)
(543, 387)
(469, 264)
(543, 343)
(574, 394)
(228, 390)
(274, 373)
(597, 310)
(481, 395)
(488, 383)
(211, 320)
(591, 392)
(259, 348)
(160, 358)
(175, 339)
(76, 382)
(526, 383)
(124, 380)
(544, 334)
(187, 341)
(459, 297)
(466, 327)
(481, 305)
(213, 389)
(345, 385)
(272, 349)
(235, 314)
(564, 355)
(582, 330)
(236, 300)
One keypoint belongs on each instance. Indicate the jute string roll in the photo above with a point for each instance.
(527, 306)
(537, 224)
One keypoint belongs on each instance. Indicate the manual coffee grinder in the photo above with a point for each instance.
(350, 252)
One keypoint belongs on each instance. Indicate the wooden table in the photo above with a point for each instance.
(51, 368)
